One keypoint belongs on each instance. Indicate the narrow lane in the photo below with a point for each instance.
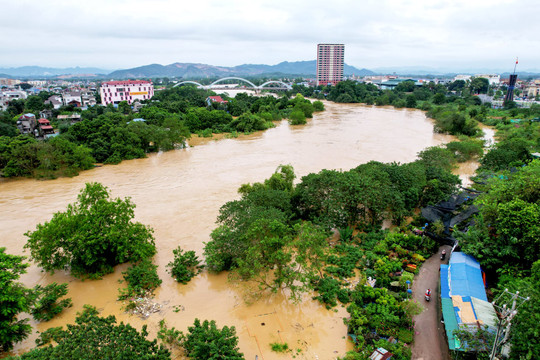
(429, 341)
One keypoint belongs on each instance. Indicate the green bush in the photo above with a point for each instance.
(297, 117)
(45, 305)
(205, 341)
(142, 278)
(185, 266)
(405, 336)
(279, 347)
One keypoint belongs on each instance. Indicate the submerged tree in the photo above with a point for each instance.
(14, 300)
(91, 236)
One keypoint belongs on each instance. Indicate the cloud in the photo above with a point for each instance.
(121, 33)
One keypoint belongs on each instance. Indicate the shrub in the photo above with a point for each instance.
(279, 347)
(205, 341)
(142, 278)
(185, 266)
(45, 305)
(297, 117)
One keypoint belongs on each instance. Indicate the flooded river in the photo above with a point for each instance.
(179, 194)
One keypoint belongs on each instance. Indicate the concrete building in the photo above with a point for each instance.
(463, 77)
(71, 97)
(55, 101)
(493, 79)
(27, 124)
(113, 92)
(330, 63)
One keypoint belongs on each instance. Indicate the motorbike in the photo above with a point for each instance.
(428, 295)
(443, 255)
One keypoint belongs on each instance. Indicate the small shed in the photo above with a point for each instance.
(381, 354)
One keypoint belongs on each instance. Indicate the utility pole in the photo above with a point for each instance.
(505, 316)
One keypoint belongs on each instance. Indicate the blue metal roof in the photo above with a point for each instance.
(465, 277)
(445, 288)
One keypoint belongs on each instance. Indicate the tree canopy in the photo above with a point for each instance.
(14, 300)
(94, 337)
(92, 236)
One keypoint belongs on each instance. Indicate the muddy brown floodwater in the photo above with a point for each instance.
(179, 194)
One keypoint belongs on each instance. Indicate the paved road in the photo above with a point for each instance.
(429, 342)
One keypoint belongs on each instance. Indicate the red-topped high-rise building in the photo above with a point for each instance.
(330, 63)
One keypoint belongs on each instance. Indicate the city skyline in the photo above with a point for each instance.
(124, 34)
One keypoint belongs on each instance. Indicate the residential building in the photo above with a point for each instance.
(55, 101)
(73, 118)
(114, 92)
(463, 77)
(45, 128)
(72, 98)
(532, 91)
(27, 124)
(9, 82)
(330, 63)
(215, 99)
(45, 114)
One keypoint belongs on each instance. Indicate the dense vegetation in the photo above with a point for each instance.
(91, 236)
(185, 265)
(95, 337)
(277, 237)
(110, 135)
(41, 302)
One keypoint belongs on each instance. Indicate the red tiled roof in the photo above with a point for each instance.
(43, 121)
(127, 82)
(46, 127)
(217, 99)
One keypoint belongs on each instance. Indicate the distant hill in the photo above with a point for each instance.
(191, 70)
(38, 71)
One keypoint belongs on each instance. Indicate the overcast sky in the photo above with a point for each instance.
(113, 34)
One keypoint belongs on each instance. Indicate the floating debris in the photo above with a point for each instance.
(143, 307)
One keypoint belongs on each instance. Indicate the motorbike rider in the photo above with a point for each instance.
(443, 254)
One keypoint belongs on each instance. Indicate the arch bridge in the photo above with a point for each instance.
(282, 85)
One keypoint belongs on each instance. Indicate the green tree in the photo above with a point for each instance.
(439, 99)
(34, 104)
(411, 101)
(14, 299)
(479, 85)
(95, 337)
(185, 266)
(45, 301)
(297, 117)
(318, 106)
(91, 236)
(141, 278)
(205, 341)
(505, 237)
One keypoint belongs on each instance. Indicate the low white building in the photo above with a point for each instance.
(463, 77)
(492, 78)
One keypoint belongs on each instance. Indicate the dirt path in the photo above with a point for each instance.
(429, 341)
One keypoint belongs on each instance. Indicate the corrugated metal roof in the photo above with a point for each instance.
(485, 312)
(445, 288)
(450, 322)
(465, 277)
